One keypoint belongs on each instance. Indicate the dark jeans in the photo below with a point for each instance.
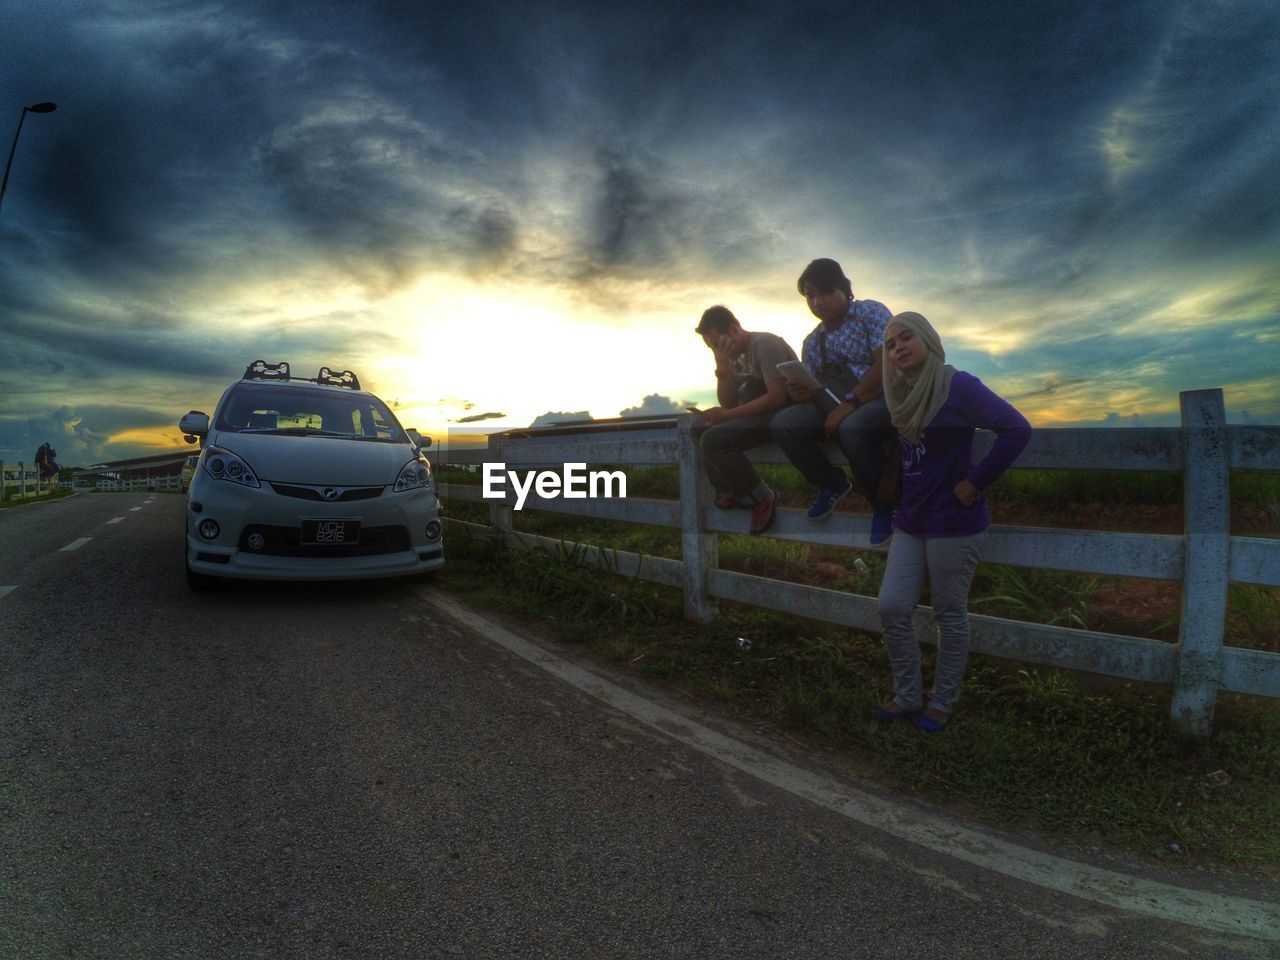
(727, 465)
(799, 431)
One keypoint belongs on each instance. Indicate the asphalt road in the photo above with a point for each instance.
(340, 770)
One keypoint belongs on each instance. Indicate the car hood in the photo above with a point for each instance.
(330, 461)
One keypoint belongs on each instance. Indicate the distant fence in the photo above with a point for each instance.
(140, 484)
(22, 482)
(1205, 558)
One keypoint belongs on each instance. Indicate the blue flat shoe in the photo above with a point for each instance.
(930, 725)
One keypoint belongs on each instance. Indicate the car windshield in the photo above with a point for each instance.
(303, 412)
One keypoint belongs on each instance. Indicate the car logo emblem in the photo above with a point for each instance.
(256, 541)
(329, 493)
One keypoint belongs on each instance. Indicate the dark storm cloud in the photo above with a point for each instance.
(1193, 139)
(392, 131)
(80, 435)
(73, 342)
(645, 219)
(382, 187)
(155, 109)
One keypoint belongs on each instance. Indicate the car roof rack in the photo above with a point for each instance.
(344, 379)
(261, 370)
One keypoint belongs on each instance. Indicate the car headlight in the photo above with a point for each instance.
(225, 465)
(414, 475)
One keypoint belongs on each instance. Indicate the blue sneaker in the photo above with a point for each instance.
(881, 525)
(826, 501)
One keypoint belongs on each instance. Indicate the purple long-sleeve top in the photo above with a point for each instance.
(932, 468)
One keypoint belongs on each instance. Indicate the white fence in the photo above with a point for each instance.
(22, 482)
(140, 484)
(1205, 558)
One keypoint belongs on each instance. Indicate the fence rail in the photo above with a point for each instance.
(22, 482)
(140, 483)
(1205, 559)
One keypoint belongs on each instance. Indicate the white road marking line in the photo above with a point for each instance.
(115, 519)
(5, 591)
(135, 509)
(1209, 911)
(75, 544)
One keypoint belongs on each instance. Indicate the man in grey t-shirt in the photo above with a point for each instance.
(750, 391)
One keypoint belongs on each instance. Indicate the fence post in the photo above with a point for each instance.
(22, 479)
(499, 510)
(1207, 508)
(699, 549)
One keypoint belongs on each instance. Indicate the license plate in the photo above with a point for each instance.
(331, 533)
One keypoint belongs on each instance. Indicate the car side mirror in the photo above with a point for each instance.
(194, 425)
(418, 439)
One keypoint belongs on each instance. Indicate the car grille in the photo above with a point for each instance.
(287, 542)
(313, 493)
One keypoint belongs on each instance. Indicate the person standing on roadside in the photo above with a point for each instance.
(750, 390)
(46, 462)
(942, 518)
(843, 353)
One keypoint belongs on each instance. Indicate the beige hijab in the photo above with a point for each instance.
(916, 399)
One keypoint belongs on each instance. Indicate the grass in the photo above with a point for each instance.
(1038, 596)
(12, 499)
(1089, 763)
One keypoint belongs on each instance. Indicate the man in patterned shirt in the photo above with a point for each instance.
(843, 353)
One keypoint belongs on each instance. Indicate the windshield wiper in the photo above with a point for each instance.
(297, 431)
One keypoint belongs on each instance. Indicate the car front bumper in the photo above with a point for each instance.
(393, 534)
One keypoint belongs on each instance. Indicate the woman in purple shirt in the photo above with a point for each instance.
(942, 516)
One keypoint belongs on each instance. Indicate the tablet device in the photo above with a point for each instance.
(794, 371)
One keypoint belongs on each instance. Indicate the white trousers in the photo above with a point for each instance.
(948, 564)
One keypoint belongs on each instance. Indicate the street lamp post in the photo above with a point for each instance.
(34, 108)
